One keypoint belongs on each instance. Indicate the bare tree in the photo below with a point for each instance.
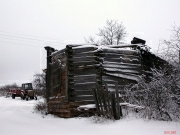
(112, 33)
(39, 83)
(159, 96)
(169, 49)
(4, 89)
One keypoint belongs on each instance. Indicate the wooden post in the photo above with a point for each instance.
(113, 104)
(108, 100)
(48, 72)
(100, 100)
(96, 99)
(117, 101)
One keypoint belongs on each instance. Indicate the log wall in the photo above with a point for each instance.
(82, 72)
(77, 69)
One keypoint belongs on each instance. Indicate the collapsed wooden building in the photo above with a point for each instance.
(74, 71)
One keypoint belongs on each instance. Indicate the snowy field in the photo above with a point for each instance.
(17, 117)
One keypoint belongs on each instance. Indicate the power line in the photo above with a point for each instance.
(30, 36)
(21, 40)
(24, 44)
(20, 44)
(26, 38)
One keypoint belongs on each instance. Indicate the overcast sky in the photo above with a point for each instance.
(27, 26)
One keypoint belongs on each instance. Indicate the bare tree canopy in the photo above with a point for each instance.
(6, 87)
(39, 81)
(169, 49)
(111, 34)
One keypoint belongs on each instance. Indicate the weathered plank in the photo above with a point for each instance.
(81, 63)
(122, 81)
(81, 49)
(122, 60)
(84, 79)
(96, 99)
(120, 51)
(82, 92)
(117, 102)
(119, 71)
(82, 98)
(87, 54)
(83, 72)
(73, 68)
(84, 58)
(116, 64)
(78, 45)
(86, 86)
(116, 55)
(123, 75)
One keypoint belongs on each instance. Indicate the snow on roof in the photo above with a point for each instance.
(124, 47)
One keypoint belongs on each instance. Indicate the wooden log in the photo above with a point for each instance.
(83, 72)
(82, 92)
(116, 55)
(84, 86)
(73, 46)
(70, 46)
(82, 67)
(85, 54)
(76, 77)
(81, 50)
(120, 65)
(122, 60)
(131, 46)
(117, 51)
(116, 78)
(85, 79)
(72, 84)
(84, 58)
(125, 76)
(82, 98)
(119, 71)
(83, 63)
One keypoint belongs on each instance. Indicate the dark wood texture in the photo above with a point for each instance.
(74, 71)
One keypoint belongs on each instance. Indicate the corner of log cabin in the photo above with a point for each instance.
(77, 69)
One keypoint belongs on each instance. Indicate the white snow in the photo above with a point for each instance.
(17, 117)
(89, 106)
(131, 105)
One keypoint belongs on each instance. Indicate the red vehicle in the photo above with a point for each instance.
(25, 92)
(15, 92)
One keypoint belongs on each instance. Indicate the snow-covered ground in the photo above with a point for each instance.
(17, 117)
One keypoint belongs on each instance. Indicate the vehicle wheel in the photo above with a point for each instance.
(13, 96)
(35, 97)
